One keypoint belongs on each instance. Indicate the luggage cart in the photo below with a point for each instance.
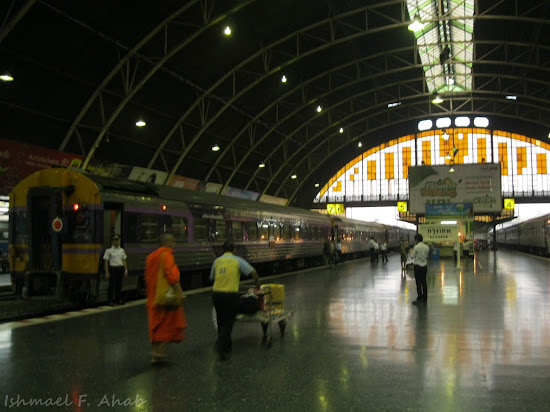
(271, 312)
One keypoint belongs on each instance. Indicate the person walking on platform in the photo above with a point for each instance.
(420, 255)
(226, 274)
(384, 250)
(328, 252)
(456, 248)
(372, 247)
(115, 269)
(166, 324)
(338, 250)
(404, 249)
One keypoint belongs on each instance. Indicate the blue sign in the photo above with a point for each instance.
(460, 211)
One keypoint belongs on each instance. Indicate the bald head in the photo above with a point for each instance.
(166, 239)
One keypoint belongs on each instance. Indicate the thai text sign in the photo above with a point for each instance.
(479, 184)
(438, 233)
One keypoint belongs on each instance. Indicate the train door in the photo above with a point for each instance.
(45, 244)
(112, 222)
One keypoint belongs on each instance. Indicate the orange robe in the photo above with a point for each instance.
(165, 325)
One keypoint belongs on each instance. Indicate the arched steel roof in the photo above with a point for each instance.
(86, 71)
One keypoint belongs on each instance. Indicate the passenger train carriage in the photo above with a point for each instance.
(61, 221)
(532, 236)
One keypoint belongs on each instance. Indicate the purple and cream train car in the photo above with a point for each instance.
(61, 221)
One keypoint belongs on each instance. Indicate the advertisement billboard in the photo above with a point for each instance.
(19, 160)
(479, 184)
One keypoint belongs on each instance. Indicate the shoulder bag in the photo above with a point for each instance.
(166, 294)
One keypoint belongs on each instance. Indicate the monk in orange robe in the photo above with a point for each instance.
(165, 324)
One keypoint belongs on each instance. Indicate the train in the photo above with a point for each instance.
(531, 236)
(62, 220)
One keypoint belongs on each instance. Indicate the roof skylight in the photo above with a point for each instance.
(445, 44)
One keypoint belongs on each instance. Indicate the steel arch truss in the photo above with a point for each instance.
(353, 64)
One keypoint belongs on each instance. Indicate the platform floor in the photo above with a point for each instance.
(355, 343)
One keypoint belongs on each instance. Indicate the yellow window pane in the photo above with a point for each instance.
(481, 150)
(542, 164)
(406, 161)
(427, 152)
(371, 170)
(521, 159)
(503, 158)
(389, 158)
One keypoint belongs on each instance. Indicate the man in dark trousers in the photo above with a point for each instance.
(226, 274)
(420, 255)
(115, 270)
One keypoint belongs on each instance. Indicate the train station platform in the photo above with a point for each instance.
(354, 343)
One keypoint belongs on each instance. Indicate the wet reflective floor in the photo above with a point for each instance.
(355, 343)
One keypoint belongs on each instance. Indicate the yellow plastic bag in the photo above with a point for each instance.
(166, 294)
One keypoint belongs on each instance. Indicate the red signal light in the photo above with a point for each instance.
(76, 206)
(163, 207)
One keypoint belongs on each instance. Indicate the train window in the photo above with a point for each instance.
(264, 231)
(296, 235)
(132, 232)
(286, 232)
(237, 230)
(278, 232)
(179, 228)
(314, 231)
(220, 230)
(200, 229)
(149, 228)
(245, 232)
(252, 231)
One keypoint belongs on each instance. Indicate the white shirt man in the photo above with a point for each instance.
(420, 254)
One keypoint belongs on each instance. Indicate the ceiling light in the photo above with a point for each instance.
(511, 97)
(341, 130)
(448, 156)
(215, 148)
(448, 222)
(359, 144)
(451, 170)
(481, 122)
(437, 100)
(283, 79)
(293, 177)
(425, 125)
(390, 105)
(443, 122)
(462, 121)
(316, 184)
(140, 123)
(261, 165)
(416, 24)
(319, 108)
(450, 80)
(6, 77)
(227, 31)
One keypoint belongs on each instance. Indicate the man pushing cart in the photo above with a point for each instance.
(267, 301)
(226, 274)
